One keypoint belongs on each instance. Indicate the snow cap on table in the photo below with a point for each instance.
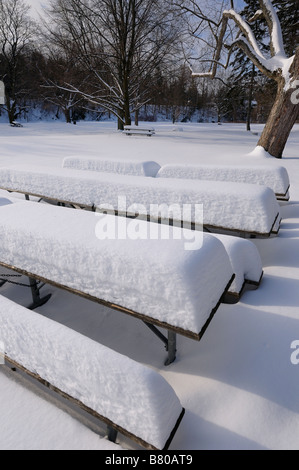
(129, 394)
(232, 206)
(157, 278)
(272, 176)
(124, 167)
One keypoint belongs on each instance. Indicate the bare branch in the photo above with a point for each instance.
(276, 40)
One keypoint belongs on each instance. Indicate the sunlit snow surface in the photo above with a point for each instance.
(238, 384)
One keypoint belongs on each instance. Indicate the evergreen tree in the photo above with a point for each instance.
(244, 73)
(288, 13)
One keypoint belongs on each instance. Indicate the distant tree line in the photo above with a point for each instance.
(121, 58)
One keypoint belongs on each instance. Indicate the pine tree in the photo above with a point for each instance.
(244, 73)
(288, 14)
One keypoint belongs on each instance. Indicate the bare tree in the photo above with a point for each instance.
(118, 42)
(233, 32)
(16, 34)
(55, 71)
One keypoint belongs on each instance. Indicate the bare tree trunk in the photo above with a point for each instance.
(278, 67)
(67, 114)
(11, 109)
(120, 124)
(282, 118)
(250, 96)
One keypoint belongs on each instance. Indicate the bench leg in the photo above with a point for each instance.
(170, 342)
(35, 291)
(111, 434)
(171, 348)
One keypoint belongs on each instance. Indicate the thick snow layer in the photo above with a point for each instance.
(245, 260)
(129, 394)
(158, 278)
(275, 177)
(123, 167)
(231, 206)
(238, 384)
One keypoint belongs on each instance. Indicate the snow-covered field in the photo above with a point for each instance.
(238, 384)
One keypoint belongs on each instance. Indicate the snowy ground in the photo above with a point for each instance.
(238, 384)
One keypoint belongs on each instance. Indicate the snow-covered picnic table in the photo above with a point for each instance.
(243, 209)
(273, 176)
(127, 396)
(122, 167)
(155, 280)
(139, 130)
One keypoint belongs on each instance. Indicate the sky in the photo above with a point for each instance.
(37, 5)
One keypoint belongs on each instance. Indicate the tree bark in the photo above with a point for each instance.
(67, 114)
(137, 117)
(283, 116)
(250, 96)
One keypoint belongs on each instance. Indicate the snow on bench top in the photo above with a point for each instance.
(147, 168)
(231, 206)
(275, 177)
(244, 256)
(245, 260)
(158, 278)
(129, 394)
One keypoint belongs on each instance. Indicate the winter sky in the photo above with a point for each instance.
(37, 5)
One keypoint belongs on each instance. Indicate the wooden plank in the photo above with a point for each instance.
(145, 318)
(90, 411)
(149, 218)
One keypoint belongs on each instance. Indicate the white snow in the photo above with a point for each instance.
(127, 393)
(135, 168)
(274, 176)
(8, 200)
(276, 33)
(154, 277)
(245, 260)
(231, 206)
(238, 385)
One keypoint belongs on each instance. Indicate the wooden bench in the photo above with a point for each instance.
(136, 130)
(233, 208)
(16, 124)
(156, 281)
(128, 397)
(273, 176)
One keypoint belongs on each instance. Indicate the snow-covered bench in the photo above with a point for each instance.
(128, 397)
(239, 208)
(244, 258)
(137, 130)
(3, 202)
(124, 167)
(246, 264)
(272, 176)
(156, 280)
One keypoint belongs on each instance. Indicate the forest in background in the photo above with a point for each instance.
(50, 75)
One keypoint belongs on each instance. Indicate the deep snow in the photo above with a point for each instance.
(238, 384)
